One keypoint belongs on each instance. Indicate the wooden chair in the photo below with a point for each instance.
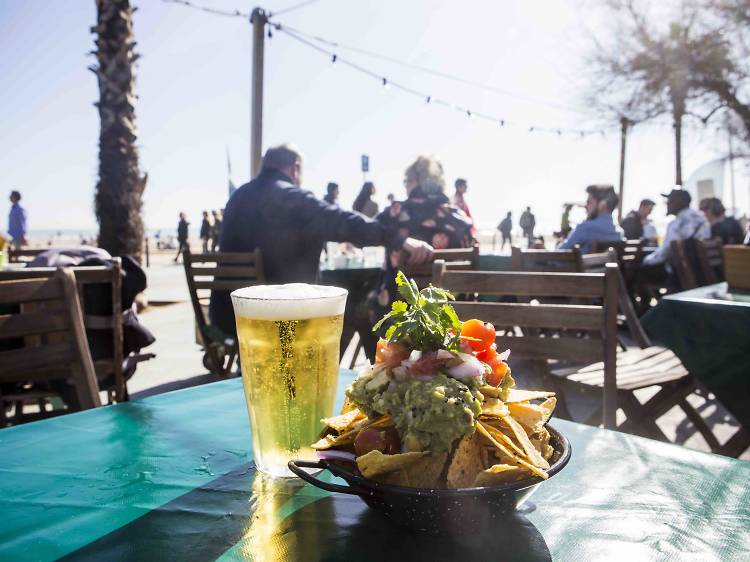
(737, 266)
(545, 260)
(616, 375)
(535, 320)
(696, 266)
(118, 364)
(43, 327)
(454, 258)
(24, 254)
(223, 272)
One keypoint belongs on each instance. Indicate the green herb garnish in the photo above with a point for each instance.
(423, 319)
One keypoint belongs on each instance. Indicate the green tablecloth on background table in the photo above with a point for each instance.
(709, 330)
(171, 478)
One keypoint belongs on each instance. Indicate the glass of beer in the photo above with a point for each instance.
(289, 339)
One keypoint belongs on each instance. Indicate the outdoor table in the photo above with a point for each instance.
(171, 477)
(708, 328)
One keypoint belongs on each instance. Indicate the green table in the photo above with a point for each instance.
(171, 478)
(708, 328)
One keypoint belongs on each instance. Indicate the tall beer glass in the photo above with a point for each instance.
(289, 352)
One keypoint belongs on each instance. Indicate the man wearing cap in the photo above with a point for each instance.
(632, 224)
(688, 223)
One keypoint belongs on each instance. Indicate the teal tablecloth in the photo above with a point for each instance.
(171, 478)
(709, 330)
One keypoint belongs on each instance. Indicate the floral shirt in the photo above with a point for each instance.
(424, 216)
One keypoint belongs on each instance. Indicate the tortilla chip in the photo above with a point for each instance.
(500, 474)
(374, 463)
(423, 473)
(533, 416)
(514, 458)
(348, 437)
(344, 422)
(468, 460)
(498, 432)
(541, 441)
(348, 405)
(516, 395)
(532, 454)
(491, 391)
(492, 407)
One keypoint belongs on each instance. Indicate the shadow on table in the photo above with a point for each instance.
(242, 516)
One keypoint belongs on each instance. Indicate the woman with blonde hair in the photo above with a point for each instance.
(426, 214)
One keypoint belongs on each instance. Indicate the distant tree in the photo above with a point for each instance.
(643, 72)
(120, 187)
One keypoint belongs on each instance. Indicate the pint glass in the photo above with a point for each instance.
(289, 354)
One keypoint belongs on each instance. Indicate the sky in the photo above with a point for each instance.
(193, 107)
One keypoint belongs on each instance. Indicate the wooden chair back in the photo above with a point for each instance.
(696, 266)
(626, 250)
(220, 271)
(108, 275)
(534, 322)
(24, 254)
(47, 307)
(459, 259)
(737, 266)
(710, 260)
(545, 260)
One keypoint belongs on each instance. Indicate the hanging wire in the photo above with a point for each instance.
(292, 8)
(209, 10)
(428, 98)
(433, 72)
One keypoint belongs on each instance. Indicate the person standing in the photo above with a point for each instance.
(332, 194)
(215, 230)
(527, 223)
(506, 227)
(459, 201)
(182, 236)
(634, 222)
(722, 226)
(17, 221)
(364, 203)
(205, 231)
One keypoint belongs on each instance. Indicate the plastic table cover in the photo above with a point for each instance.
(709, 330)
(171, 478)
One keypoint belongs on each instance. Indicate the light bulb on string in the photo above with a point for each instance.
(502, 122)
(386, 85)
(468, 114)
(334, 58)
(428, 100)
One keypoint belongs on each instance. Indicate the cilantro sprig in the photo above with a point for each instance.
(423, 320)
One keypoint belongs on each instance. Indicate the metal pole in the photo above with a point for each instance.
(623, 137)
(731, 169)
(258, 19)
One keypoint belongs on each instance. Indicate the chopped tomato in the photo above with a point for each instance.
(479, 335)
(488, 354)
(385, 440)
(499, 370)
(390, 353)
(428, 364)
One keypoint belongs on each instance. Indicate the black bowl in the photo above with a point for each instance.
(433, 510)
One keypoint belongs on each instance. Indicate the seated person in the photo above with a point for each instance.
(599, 224)
(290, 226)
(722, 226)
(688, 223)
(633, 223)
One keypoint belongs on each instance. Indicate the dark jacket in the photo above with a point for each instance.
(729, 230)
(426, 216)
(205, 229)
(182, 230)
(632, 227)
(290, 226)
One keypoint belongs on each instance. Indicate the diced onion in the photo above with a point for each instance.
(471, 367)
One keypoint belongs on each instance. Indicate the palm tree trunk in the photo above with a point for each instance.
(678, 150)
(120, 187)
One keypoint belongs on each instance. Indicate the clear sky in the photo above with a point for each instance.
(193, 84)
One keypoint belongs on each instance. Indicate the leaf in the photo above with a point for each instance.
(399, 306)
(452, 316)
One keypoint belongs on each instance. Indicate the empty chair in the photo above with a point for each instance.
(223, 272)
(43, 345)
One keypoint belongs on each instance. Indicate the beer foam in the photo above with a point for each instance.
(293, 301)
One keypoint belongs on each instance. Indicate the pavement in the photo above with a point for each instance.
(178, 363)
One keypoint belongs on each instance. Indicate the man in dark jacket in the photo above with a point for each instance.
(182, 236)
(205, 232)
(632, 224)
(290, 226)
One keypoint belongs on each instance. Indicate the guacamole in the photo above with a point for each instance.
(429, 415)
